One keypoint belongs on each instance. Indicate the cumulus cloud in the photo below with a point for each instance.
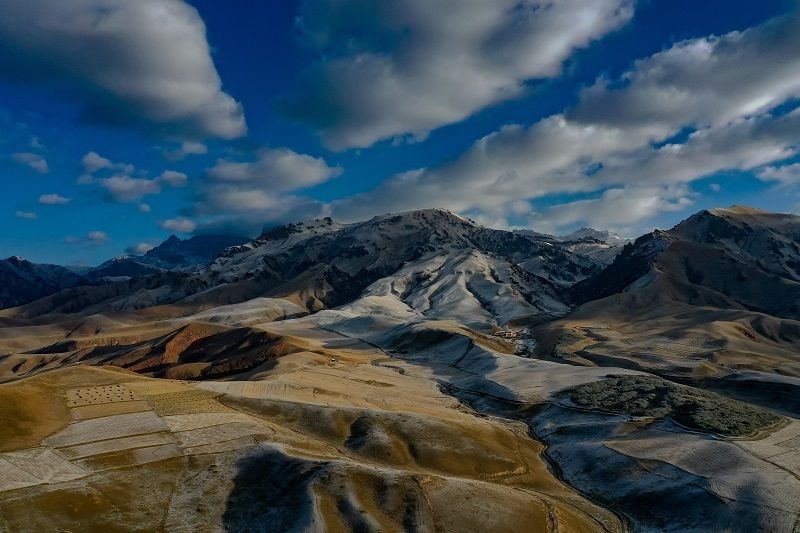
(264, 189)
(34, 161)
(785, 174)
(279, 169)
(97, 237)
(185, 149)
(618, 207)
(144, 208)
(635, 143)
(92, 162)
(145, 62)
(173, 178)
(93, 238)
(390, 69)
(30, 215)
(139, 249)
(701, 83)
(124, 188)
(180, 224)
(53, 199)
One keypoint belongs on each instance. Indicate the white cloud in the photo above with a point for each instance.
(145, 62)
(92, 162)
(701, 83)
(186, 148)
(97, 237)
(93, 238)
(173, 178)
(34, 161)
(785, 174)
(124, 188)
(625, 140)
(30, 215)
(715, 187)
(53, 199)
(402, 68)
(139, 249)
(619, 207)
(252, 193)
(180, 224)
(144, 208)
(279, 169)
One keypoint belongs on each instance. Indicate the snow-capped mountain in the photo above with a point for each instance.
(591, 234)
(600, 246)
(431, 261)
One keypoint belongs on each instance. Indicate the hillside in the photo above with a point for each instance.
(715, 300)
(22, 281)
(365, 376)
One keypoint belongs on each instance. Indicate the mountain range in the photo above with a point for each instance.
(615, 380)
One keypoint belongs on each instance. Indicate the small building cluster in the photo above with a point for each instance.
(507, 334)
(523, 338)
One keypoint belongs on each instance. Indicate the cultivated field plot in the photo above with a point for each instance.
(186, 402)
(108, 427)
(86, 412)
(117, 445)
(119, 426)
(189, 422)
(217, 434)
(34, 467)
(100, 395)
(731, 471)
(246, 389)
(781, 447)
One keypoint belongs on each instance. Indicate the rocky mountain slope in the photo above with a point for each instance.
(22, 281)
(601, 246)
(448, 258)
(432, 259)
(172, 254)
(715, 300)
(738, 258)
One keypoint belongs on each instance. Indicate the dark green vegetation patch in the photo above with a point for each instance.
(659, 398)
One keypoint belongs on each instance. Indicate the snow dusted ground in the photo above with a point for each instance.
(473, 288)
(659, 475)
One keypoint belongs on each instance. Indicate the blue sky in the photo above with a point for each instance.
(121, 122)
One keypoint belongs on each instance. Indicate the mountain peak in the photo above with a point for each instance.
(428, 215)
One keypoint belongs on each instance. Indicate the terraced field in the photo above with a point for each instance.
(326, 443)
